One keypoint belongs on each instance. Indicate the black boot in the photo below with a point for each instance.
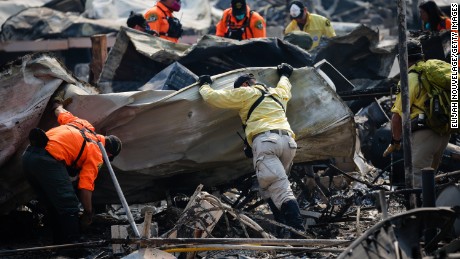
(70, 233)
(279, 217)
(69, 228)
(281, 232)
(292, 215)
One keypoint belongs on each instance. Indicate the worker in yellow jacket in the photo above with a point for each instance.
(314, 24)
(263, 113)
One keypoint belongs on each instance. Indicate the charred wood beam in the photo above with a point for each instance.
(99, 243)
(405, 191)
(99, 55)
(345, 219)
(323, 191)
(200, 248)
(450, 249)
(450, 174)
(155, 242)
(276, 223)
(369, 185)
(365, 94)
(255, 205)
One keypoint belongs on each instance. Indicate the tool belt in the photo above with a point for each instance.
(416, 124)
(276, 131)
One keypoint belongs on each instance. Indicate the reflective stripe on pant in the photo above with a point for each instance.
(273, 155)
(427, 150)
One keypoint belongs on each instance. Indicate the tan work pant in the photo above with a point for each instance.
(427, 150)
(273, 155)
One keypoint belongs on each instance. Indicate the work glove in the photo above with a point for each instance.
(86, 219)
(59, 98)
(284, 69)
(394, 145)
(205, 79)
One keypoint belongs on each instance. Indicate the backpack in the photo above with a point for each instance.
(434, 76)
(247, 149)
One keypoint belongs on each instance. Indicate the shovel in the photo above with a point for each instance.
(119, 192)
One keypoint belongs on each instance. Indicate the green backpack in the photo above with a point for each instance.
(435, 75)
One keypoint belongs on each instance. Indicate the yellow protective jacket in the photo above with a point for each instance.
(316, 26)
(65, 143)
(417, 96)
(267, 116)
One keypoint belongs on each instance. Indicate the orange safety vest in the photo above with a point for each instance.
(445, 24)
(252, 26)
(65, 144)
(162, 22)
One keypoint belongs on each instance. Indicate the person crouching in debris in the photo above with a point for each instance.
(240, 23)
(50, 160)
(263, 112)
(161, 21)
(316, 25)
(137, 21)
(427, 145)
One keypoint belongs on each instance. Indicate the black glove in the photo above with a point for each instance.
(284, 69)
(85, 220)
(205, 79)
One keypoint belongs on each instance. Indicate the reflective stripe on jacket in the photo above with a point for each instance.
(156, 18)
(316, 26)
(255, 29)
(445, 24)
(65, 143)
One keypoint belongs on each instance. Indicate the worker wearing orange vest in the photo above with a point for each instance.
(49, 162)
(240, 23)
(161, 21)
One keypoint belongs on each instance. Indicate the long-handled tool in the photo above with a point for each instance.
(119, 192)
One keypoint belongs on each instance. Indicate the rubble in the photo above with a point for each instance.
(139, 116)
(350, 196)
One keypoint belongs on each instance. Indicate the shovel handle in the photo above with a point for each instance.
(119, 192)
